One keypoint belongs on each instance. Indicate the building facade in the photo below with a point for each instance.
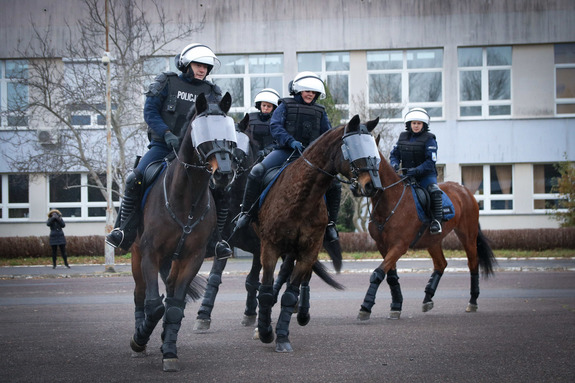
(497, 77)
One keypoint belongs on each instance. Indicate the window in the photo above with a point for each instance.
(565, 79)
(544, 183)
(492, 186)
(14, 197)
(405, 79)
(243, 76)
(77, 196)
(484, 82)
(333, 68)
(13, 93)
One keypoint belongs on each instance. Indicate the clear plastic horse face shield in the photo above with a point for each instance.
(362, 153)
(215, 135)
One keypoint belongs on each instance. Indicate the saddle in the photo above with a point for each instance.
(151, 173)
(423, 203)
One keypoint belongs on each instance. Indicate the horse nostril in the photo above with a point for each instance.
(369, 189)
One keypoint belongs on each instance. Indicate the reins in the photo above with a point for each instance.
(380, 226)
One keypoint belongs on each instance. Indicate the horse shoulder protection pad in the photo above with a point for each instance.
(160, 82)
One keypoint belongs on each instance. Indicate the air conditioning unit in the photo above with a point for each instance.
(47, 136)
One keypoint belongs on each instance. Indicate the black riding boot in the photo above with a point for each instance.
(251, 195)
(222, 248)
(436, 209)
(332, 199)
(125, 229)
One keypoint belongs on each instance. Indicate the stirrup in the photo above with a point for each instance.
(435, 227)
(223, 250)
(115, 238)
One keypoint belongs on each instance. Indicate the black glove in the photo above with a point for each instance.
(412, 172)
(296, 145)
(396, 167)
(172, 141)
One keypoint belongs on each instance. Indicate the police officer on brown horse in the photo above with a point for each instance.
(169, 99)
(416, 151)
(296, 122)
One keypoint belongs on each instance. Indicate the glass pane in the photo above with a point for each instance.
(384, 88)
(385, 113)
(17, 120)
(501, 182)
(81, 120)
(100, 120)
(236, 88)
(470, 85)
(233, 64)
(65, 188)
(155, 65)
(338, 86)
(96, 212)
(17, 96)
(18, 213)
(435, 112)
(502, 205)
(432, 58)
(565, 83)
(470, 57)
(498, 56)
(545, 178)
(499, 84)
(564, 53)
(69, 211)
(95, 194)
(16, 69)
(500, 110)
(565, 108)
(425, 87)
(265, 64)
(309, 61)
(337, 61)
(18, 188)
(470, 111)
(472, 178)
(385, 60)
(259, 83)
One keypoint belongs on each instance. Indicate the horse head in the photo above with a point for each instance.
(214, 137)
(246, 151)
(360, 150)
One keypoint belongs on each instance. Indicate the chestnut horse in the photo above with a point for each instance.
(246, 157)
(395, 225)
(178, 218)
(293, 217)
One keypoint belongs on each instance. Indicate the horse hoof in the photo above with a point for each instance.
(202, 324)
(302, 319)
(171, 365)
(471, 308)
(284, 347)
(394, 314)
(256, 335)
(136, 347)
(249, 320)
(266, 336)
(363, 315)
(427, 306)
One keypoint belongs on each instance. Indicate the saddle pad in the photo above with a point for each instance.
(448, 209)
(269, 186)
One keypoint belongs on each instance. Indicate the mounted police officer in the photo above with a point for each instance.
(169, 100)
(416, 152)
(296, 122)
(266, 102)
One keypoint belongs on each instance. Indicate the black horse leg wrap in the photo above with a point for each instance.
(374, 281)
(396, 295)
(172, 323)
(304, 298)
(288, 302)
(139, 316)
(214, 282)
(154, 310)
(432, 285)
(266, 301)
(251, 300)
(474, 288)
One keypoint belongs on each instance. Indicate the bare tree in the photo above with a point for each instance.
(66, 87)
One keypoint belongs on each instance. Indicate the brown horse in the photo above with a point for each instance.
(178, 219)
(395, 226)
(293, 217)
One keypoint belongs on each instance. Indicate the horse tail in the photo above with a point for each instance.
(334, 251)
(195, 289)
(485, 254)
(322, 272)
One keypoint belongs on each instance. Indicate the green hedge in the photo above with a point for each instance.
(528, 239)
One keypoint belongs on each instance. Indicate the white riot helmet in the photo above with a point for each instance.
(307, 81)
(198, 53)
(417, 114)
(267, 95)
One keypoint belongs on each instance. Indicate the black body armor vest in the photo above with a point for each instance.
(303, 122)
(413, 152)
(260, 131)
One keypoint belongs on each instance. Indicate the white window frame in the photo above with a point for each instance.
(544, 196)
(487, 197)
(562, 101)
(4, 81)
(7, 206)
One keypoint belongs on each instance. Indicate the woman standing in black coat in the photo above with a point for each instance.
(57, 238)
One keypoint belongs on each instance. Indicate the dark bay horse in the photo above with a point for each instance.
(394, 225)
(246, 157)
(293, 218)
(178, 219)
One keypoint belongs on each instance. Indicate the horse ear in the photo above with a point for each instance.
(201, 103)
(372, 124)
(353, 124)
(377, 139)
(226, 103)
(244, 123)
